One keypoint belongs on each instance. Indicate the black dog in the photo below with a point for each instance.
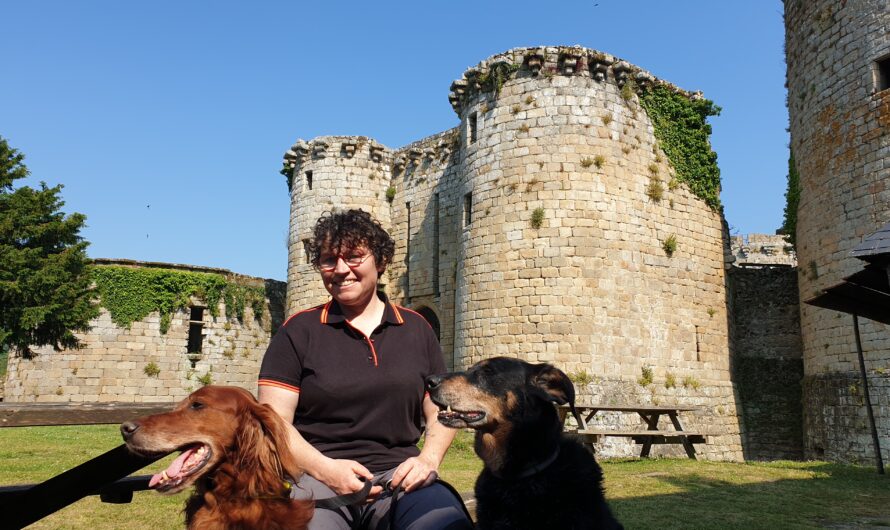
(534, 477)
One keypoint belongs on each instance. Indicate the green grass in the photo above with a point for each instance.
(657, 493)
(4, 361)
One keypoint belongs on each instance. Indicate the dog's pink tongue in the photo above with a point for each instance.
(173, 469)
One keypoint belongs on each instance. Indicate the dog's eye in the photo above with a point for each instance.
(197, 405)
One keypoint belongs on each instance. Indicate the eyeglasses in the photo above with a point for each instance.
(329, 263)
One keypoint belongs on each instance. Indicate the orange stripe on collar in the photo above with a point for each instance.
(324, 312)
(395, 309)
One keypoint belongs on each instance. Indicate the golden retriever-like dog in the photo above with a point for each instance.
(235, 453)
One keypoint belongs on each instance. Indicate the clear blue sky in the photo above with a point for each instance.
(166, 121)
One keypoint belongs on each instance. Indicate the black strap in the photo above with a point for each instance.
(334, 503)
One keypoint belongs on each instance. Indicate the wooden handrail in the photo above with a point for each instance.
(21, 507)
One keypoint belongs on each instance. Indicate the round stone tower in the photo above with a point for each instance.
(327, 173)
(838, 58)
(579, 245)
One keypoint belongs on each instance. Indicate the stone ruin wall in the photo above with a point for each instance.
(111, 365)
(839, 136)
(591, 290)
(767, 365)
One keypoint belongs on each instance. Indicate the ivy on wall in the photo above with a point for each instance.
(130, 294)
(792, 199)
(682, 129)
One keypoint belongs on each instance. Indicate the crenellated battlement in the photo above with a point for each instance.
(338, 146)
(762, 249)
(488, 76)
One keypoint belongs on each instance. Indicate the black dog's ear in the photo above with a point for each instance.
(554, 382)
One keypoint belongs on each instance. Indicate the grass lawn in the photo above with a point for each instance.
(643, 493)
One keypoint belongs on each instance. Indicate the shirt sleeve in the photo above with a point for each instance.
(282, 365)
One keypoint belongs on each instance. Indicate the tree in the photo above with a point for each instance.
(45, 286)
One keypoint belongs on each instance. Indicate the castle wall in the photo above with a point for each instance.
(767, 364)
(423, 272)
(592, 289)
(113, 364)
(840, 139)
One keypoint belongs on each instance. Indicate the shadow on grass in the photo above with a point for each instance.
(821, 495)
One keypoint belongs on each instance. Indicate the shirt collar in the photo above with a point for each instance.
(331, 313)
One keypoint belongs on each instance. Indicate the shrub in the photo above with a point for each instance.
(655, 190)
(151, 369)
(390, 193)
(537, 218)
(599, 161)
(670, 245)
(646, 376)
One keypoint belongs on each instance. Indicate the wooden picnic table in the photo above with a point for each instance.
(650, 415)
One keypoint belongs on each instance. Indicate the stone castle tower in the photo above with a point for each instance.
(547, 225)
(838, 57)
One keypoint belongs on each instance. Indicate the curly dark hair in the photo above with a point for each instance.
(351, 229)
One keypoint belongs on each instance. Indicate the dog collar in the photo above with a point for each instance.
(537, 468)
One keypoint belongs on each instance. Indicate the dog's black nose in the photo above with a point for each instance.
(433, 381)
(128, 428)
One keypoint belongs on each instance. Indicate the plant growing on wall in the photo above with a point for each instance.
(792, 199)
(683, 132)
(493, 80)
(646, 376)
(130, 294)
(390, 193)
(655, 190)
(537, 218)
(151, 369)
(206, 379)
(670, 245)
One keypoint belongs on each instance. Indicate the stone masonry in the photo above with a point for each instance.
(838, 71)
(590, 288)
(112, 364)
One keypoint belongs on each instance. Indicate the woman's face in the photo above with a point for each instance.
(350, 276)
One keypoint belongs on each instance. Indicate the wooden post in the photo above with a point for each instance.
(871, 416)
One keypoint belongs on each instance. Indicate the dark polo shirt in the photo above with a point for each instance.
(360, 397)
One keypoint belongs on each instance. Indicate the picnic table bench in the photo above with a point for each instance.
(650, 414)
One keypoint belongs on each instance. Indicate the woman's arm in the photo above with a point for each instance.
(422, 470)
(339, 475)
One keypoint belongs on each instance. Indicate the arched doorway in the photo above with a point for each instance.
(430, 317)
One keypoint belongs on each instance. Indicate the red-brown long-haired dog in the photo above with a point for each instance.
(235, 452)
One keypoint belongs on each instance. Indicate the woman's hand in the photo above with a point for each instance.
(415, 473)
(342, 477)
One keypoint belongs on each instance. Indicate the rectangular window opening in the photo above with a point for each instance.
(309, 180)
(306, 252)
(196, 330)
(468, 209)
(882, 71)
(471, 128)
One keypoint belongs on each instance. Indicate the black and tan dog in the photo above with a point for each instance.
(534, 477)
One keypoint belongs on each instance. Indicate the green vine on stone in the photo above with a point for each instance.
(497, 75)
(130, 294)
(682, 130)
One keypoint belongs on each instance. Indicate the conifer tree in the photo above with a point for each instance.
(45, 287)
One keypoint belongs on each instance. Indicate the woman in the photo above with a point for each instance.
(350, 376)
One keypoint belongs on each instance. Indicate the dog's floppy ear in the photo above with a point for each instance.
(263, 447)
(554, 382)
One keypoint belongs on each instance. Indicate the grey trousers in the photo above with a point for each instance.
(432, 508)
